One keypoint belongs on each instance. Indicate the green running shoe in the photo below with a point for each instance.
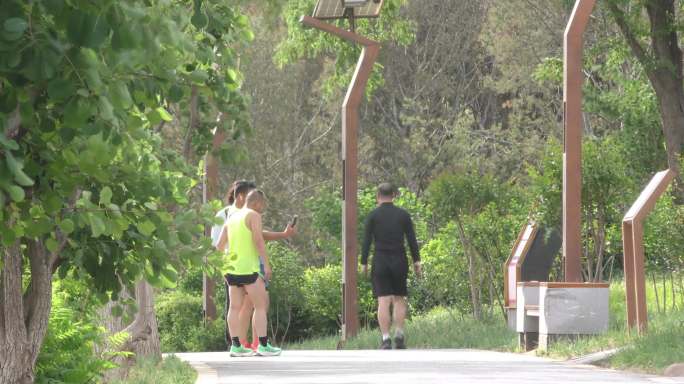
(268, 350)
(240, 351)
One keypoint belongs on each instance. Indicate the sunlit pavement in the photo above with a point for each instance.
(402, 367)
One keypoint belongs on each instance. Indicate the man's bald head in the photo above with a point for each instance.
(256, 200)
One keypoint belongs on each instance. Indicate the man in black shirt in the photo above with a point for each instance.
(388, 225)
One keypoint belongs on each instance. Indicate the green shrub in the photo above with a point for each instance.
(181, 326)
(445, 274)
(68, 354)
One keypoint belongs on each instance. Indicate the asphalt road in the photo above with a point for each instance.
(402, 367)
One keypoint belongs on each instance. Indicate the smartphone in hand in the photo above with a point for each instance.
(293, 222)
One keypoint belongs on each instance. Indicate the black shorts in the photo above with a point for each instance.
(389, 275)
(241, 280)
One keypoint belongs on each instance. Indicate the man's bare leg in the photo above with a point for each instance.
(399, 306)
(237, 295)
(260, 299)
(255, 337)
(257, 293)
(384, 319)
(246, 312)
(399, 313)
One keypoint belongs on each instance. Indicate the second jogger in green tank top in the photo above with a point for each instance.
(244, 234)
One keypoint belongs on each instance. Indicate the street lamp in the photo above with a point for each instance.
(350, 9)
(572, 153)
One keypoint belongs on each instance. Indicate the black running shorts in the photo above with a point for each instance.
(241, 280)
(389, 275)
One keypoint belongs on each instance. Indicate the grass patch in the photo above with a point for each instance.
(440, 328)
(652, 352)
(657, 349)
(171, 370)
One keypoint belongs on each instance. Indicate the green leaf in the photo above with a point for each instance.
(52, 245)
(232, 75)
(106, 109)
(7, 143)
(120, 95)
(185, 237)
(61, 89)
(22, 179)
(153, 117)
(16, 193)
(164, 114)
(175, 94)
(248, 35)
(97, 226)
(199, 76)
(106, 196)
(67, 226)
(15, 25)
(170, 274)
(13, 164)
(76, 113)
(199, 19)
(146, 228)
(52, 204)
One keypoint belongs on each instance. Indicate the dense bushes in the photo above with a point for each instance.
(69, 353)
(181, 326)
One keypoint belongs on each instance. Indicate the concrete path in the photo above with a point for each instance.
(402, 367)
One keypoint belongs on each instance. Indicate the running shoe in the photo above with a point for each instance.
(386, 344)
(268, 350)
(245, 344)
(240, 351)
(399, 342)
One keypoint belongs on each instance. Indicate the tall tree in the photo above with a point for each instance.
(661, 58)
(86, 185)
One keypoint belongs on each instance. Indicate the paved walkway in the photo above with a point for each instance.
(402, 367)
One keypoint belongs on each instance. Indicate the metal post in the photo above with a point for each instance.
(633, 246)
(572, 154)
(350, 126)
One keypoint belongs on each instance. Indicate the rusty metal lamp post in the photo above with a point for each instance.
(572, 153)
(351, 9)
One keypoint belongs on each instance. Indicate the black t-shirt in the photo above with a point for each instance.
(388, 225)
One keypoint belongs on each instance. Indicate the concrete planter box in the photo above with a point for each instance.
(548, 311)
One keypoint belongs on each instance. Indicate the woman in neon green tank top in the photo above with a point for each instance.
(237, 196)
(244, 232)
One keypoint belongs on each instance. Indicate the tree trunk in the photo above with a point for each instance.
(472, 270)
(24, 314)
(663, 66)
(655, 289)
(143, 332)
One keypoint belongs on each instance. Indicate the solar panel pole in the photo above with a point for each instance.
(350, 127)
(572, 153)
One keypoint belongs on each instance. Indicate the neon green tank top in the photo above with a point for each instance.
(243, 256)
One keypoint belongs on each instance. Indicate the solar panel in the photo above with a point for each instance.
(335, 9)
